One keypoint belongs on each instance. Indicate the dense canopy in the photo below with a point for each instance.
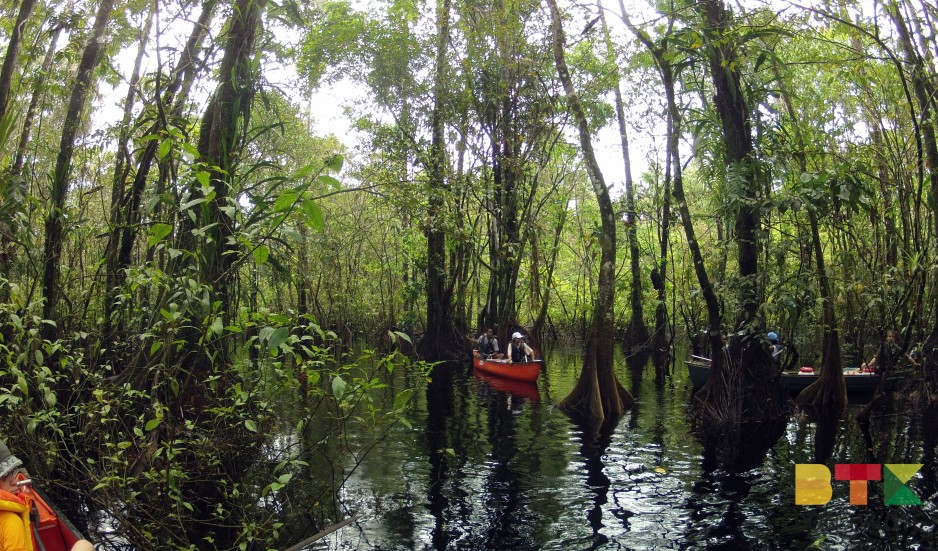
(206, 204)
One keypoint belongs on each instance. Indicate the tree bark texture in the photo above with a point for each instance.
(598, 394)
(54, 221)
(439, 332)
(125, 213)
(636, 334)
(742, 172)
(12, 54)
(922, 86)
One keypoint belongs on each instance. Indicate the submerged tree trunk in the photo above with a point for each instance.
(714, 315)
(54, 231)
(598, 394)
(827, 395)
(636, 332)
(758, 391)
(440, 337)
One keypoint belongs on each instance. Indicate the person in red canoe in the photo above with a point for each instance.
(518, 351)
(487, 346)
(15, 531)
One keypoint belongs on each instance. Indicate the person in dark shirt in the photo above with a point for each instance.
(888, 355)
(487, 345)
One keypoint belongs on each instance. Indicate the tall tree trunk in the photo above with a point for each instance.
(598, 395)
(125, 214)
(925, 97)
(121, 170)
(755, 391)
(6, 82)
(674, 173)
(220, 138)
(38, 88)
(12, 54)
(829, 392)
(54, 231)
(540, 322)
(636, 336)
(439, 335)
(730, 104)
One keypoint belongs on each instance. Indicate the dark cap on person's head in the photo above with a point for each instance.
(8, 461)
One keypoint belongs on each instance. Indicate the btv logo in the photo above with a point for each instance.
(813, 482)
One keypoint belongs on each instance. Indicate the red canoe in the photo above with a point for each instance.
(55, 531)
(527, 371)
(520, 389)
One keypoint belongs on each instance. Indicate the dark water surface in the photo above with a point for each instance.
(495, 466)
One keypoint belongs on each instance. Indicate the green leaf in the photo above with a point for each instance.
(277, 337)
(165, 147)
(190, 152)
(260, 255)
(189, 204)
(330, 181)
(152, 424)
(250, 425)
(313, 215)
(218, 327)
(203, 178)
(338, 387)
(402, 399)
(157, 233)
(304, 172)
(286, 200)
(313, 378)
(334, 162)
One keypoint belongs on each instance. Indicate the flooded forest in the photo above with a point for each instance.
(247, 249)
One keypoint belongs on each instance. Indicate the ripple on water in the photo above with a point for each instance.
(523, 476)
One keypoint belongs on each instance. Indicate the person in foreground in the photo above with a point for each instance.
(15, 531)
(518, 351)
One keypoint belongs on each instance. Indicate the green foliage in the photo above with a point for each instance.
(160, 471)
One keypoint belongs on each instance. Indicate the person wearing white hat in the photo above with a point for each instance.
(518, 350)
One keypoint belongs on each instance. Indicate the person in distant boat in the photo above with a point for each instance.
(16, 534)
(888, 355)
(487, 345)
(518, 350)
(776, 349)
